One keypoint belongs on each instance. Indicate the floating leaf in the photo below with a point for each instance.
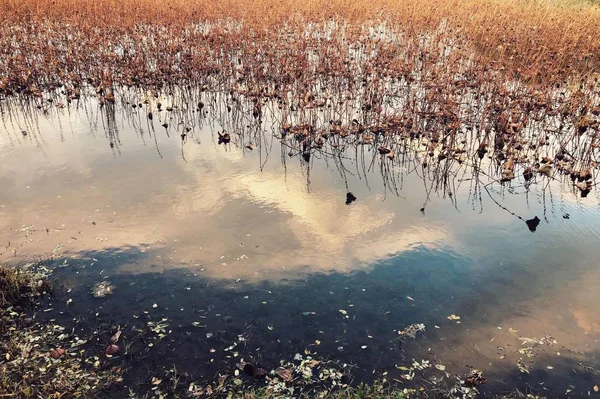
(115, 337)
(111, 350)
(56, 353)
(285, 374)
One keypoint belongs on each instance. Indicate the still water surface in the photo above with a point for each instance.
(258, 243)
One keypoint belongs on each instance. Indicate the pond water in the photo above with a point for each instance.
(223, 241)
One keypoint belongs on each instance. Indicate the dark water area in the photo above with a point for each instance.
(218, 242)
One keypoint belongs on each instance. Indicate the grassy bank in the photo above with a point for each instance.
(42, 360)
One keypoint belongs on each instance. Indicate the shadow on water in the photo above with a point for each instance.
(352, 318)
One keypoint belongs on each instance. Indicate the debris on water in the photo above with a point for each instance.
(102, 289)
(453, 317)
(57, 353)
(285, 374)
(412, 330)
(224, 138)
(475, 378)
(111, 350)
(508, 170)
(115, 338)
(528, 173)
(522, 366)
(350, 198)
(384, 150)
(532, 224)
(545, 169)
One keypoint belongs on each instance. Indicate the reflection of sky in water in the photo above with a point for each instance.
(216, 213)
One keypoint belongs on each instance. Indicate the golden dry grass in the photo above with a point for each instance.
(541, 41)
(518, 79)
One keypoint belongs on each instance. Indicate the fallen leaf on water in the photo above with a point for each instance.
(317, 342)
(522, 366)
(526, 341)
(409, 298)
(102, 289)
(453, 317)
(596, 389)
(115, 337)
(270, 328)
(111, 350)
(440, 367)
(56, 353)
(550, 367)
(285, 374)
(342, 311)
